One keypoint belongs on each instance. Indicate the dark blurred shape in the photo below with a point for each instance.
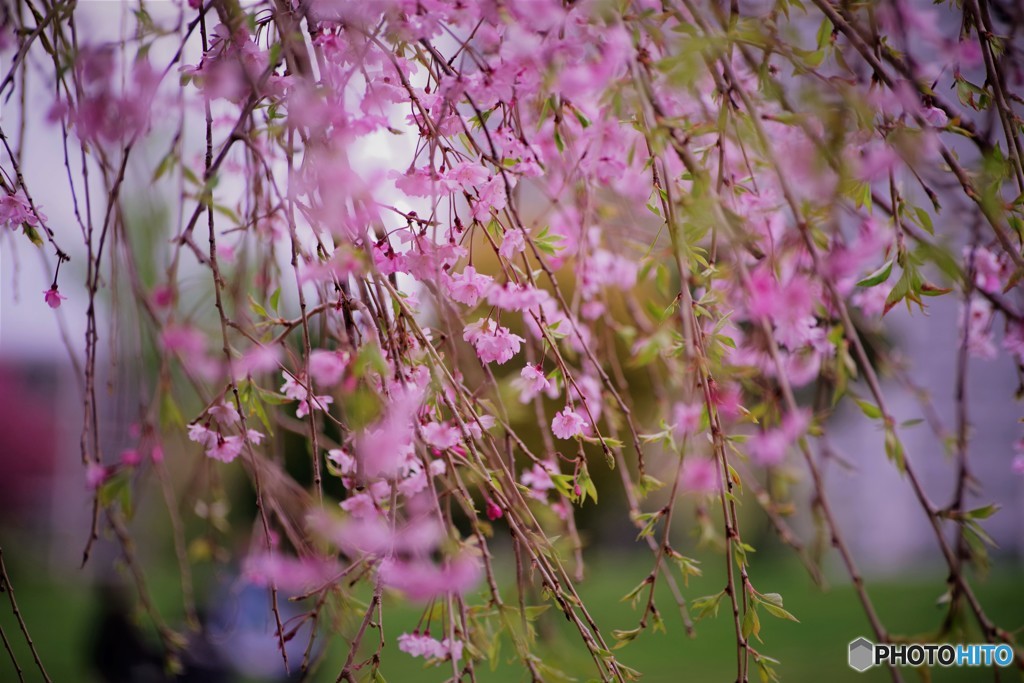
(243, 628)
(121, 653)
(28, 437)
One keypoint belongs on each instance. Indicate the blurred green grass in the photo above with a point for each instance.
(60, 617)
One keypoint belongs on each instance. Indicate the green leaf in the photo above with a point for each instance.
(688, 567)
(702, 607)
(586, 484)
(894, 449)
(635, 593)
(166, 164)
(869, 409)
(625, 637)
(117, 489)
(824, 33)
(751, 623)
(258, 308)
(32, 234)
(879, 276)
(924, 219)
(777, 611)
(647, 484)
(983, 512)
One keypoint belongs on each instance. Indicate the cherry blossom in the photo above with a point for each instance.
(225, 413)
(327, 367)
(468, 286)
(423, 580)
(686, 419)
(568, 424)
(423, 645)
(493, 343)
(440, 435)
(291, 574)
(226, 448)
(465, 257)
(15, 210)
(532, 382)
(699, 475)
(53, 297)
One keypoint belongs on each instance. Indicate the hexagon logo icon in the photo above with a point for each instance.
(861, 654)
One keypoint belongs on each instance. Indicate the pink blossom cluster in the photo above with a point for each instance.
(422, 645)
(219, 446)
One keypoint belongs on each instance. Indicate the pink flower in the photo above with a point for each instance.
(360, 505)
(568, 424)
(686, 419)
(538, 480)
(1018, 465)
(95, 475)
(989, 271)
(769, 447)
(162, 296)
(294, 389)
(727, 399)
(979, 329)
(202, 435)
(420, 645)
(699, 475)
(512, 244)
(935, 117)
(422, 580)
(871, 301)
(1013, 342)
(53, 297)
(319, 403)
(189, 341)
(226, 449)
(15, 210)
(491, 196)
(468, 286)
(424, 646)
(327, 367)
(531, 382)
(257, 359)
(290, 574)
(345, 463)
(130, 457)
(875, 162)
(492, 342)
(513, 297)
(225, 413)
(440, 435)
(467, 174)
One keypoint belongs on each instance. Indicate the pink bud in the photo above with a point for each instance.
(163, 296)
(130, 457)
(53, 297)
(95, 475)
(493, 511)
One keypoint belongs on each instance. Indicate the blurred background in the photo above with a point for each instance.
(88, 624)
